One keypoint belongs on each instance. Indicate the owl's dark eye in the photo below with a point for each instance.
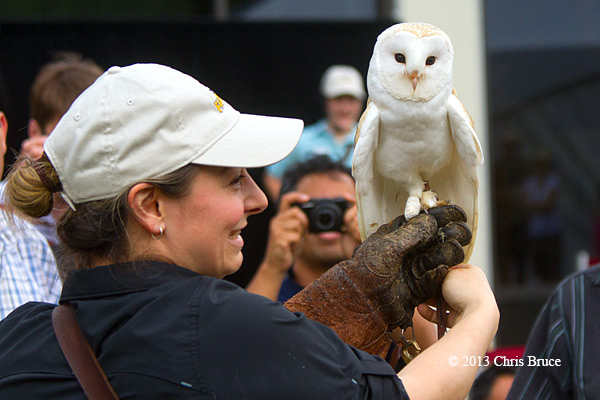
(400, 58)
(430, 60)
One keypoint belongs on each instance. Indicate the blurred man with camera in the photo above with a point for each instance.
(315, 228)
(343, 91)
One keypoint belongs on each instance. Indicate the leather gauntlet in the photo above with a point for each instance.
(398, 267)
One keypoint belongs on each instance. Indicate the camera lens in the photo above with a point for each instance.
(326, 218)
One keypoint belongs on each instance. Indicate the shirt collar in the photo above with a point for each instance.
(348, 136)
(115, 279)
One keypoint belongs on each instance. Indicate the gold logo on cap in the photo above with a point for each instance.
(218, 103)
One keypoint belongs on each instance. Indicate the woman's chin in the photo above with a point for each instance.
(234, 265)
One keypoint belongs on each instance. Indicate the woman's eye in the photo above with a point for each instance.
(238, 179)
(430, 60)
(400, 58)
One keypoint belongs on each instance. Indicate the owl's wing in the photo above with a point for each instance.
(459, 180)
(368, 180)
(463, 132)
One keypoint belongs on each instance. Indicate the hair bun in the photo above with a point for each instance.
(30, 185)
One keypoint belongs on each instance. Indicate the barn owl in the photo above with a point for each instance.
(415, 141)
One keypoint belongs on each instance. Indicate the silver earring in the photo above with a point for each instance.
(160, 235)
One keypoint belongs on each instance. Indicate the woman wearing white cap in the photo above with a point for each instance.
(153, 166)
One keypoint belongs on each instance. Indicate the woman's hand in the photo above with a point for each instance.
(465, 288)
(474, 320)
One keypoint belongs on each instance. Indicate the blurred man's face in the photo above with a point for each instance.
(323, 250)
(342, 113)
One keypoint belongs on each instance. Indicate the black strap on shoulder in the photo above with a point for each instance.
(80, 356)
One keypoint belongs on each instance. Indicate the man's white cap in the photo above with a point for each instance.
(147, 120)
(340, 80)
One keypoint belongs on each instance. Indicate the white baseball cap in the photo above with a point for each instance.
(147, 120)
(340, 80)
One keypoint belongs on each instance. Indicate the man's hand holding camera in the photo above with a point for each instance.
(300, 215)
(286, 232)
(351, 239)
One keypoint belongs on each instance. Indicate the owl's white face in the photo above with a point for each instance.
(413, 61)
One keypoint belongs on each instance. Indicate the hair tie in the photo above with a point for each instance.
(51, 186)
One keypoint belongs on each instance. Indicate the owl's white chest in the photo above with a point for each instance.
(414, 141)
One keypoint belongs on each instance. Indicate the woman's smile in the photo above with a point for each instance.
(235, 237)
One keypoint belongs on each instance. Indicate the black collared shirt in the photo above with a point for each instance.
(161, 331)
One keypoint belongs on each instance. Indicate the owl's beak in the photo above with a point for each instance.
(414, 79)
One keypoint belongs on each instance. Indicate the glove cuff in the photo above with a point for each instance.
(335, 300)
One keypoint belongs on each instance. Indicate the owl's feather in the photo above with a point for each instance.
(414, 130)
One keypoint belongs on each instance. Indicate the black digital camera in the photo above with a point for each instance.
(325, 215)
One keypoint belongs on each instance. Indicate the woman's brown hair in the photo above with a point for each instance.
(96, 230)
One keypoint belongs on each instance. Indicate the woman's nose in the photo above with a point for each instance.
(256, 200)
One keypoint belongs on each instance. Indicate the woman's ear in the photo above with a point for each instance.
(143, 200)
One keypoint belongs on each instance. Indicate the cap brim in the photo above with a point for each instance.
(254, 141)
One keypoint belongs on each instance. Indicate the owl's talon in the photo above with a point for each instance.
(429, 199)
(413, 207)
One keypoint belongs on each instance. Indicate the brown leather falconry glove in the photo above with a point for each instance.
(398, 267)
